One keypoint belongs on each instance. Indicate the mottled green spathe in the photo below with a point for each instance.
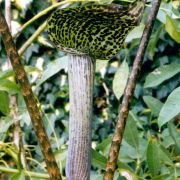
(96, 30)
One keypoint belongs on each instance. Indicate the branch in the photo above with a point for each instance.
(31, 39)
(129, 90)
(29, 100)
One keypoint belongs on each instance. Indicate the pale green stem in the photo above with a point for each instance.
(30, 173)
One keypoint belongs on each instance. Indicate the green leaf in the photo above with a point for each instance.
(104, 145)
(4, 103)
(100, 65)
(120, 79)
(98, 160)
(53, 68)
(154, 104)
(31, 69)
(171, 108)
(135, 33)
(153, 41)
(161, 74)
(9, 86)
(131, 133)
(5, 122)
(152, 156)
(18, 176)
(172, 29)
(175, 135)
(6, 74)
(165, 156)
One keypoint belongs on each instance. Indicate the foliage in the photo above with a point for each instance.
(151, 144)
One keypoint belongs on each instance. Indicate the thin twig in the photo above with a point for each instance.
(31, 39)
(29, 100)
(123, 113)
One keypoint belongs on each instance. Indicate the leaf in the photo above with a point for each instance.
(165, 156)
(53, 68)
(172, 30)
(104, 145)
(6, 74)
(120, 79)
(19, 175)
(175, 135)
(4, 103)
(128, 152)
(131, 133)
(100, 65)
(135, 33)
(171, 108)
(10, 73)
(9, 86)
(105, 1)
(152, 156)
(154, 104)
(161, 74)
(153, 41)
(98, 160)
(5, 122)
(31, 69)
(128, 174)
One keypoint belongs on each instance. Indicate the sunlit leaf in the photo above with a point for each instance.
(171, 108)
(120, 79)
(53, 68)
(171, 28)
(128, 174)
(100, 64)
(18, 176)
(161, 74)
(9, 86)
(6, 74)
(135, 33)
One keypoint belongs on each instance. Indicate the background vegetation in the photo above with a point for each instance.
(151, 144)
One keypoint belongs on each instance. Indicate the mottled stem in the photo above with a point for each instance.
(81, 73)
(124, 110)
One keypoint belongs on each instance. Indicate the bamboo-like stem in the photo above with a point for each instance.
(124, 110)
(81, 73)
(30, 100)
(28, 173)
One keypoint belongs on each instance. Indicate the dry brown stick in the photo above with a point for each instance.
(124, 110)
(30, 100)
